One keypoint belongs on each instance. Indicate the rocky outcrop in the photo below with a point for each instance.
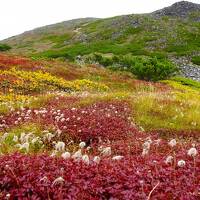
(180, 9)
(191, 71)
(187, 69)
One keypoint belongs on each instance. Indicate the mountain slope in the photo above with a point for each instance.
(172, 30)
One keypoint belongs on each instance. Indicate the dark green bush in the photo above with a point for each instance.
(102, 60)
(143, 67)
(153, 69)
(4, 47)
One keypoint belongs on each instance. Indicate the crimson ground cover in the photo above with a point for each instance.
(92, 145)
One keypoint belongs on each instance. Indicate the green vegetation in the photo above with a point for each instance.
(153, 69)
(122, 35)
(4, 47)
(58, 40)
(196, 60)
(102, 46)
(143, 67)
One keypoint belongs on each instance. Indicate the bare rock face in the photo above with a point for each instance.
(187, 68)
(180, 9)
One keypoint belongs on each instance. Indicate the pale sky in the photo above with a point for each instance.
(17, 16)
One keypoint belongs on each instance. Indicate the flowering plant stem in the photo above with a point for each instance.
(149, 196)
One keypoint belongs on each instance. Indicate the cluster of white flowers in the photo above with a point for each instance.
(25, 115)
(77, 156)
(23, 141)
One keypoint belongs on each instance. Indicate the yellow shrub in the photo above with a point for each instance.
(37, 81)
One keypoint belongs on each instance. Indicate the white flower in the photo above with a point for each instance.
(172, 143)
(85, 159)
(5, 135)
(192, 152)
(36, 112)
(146, 145)
(60, 146)
(89, 148)
(7, 166)
(118, 157)
(49, 136)
(157, 142)
(181, 163)
(24, 146)
(34, 140)
(62, 119)
(8, 196)
(82, 145)
(77, 155)
(148, 139)
(169, 159)
(53, 154)
(66, 155)
(58, 180)
(145, 152)
(45, 179)
(97, 159)
(29, 111)
(106, 151)
(15, 138)
(22, 137)
(59, 132)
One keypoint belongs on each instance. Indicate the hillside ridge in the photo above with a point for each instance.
(180, 9)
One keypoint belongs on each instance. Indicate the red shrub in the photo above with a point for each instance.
(105, 120)
(7, 62)
(33, 177)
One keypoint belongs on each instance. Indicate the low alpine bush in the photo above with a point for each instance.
(4, 47)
